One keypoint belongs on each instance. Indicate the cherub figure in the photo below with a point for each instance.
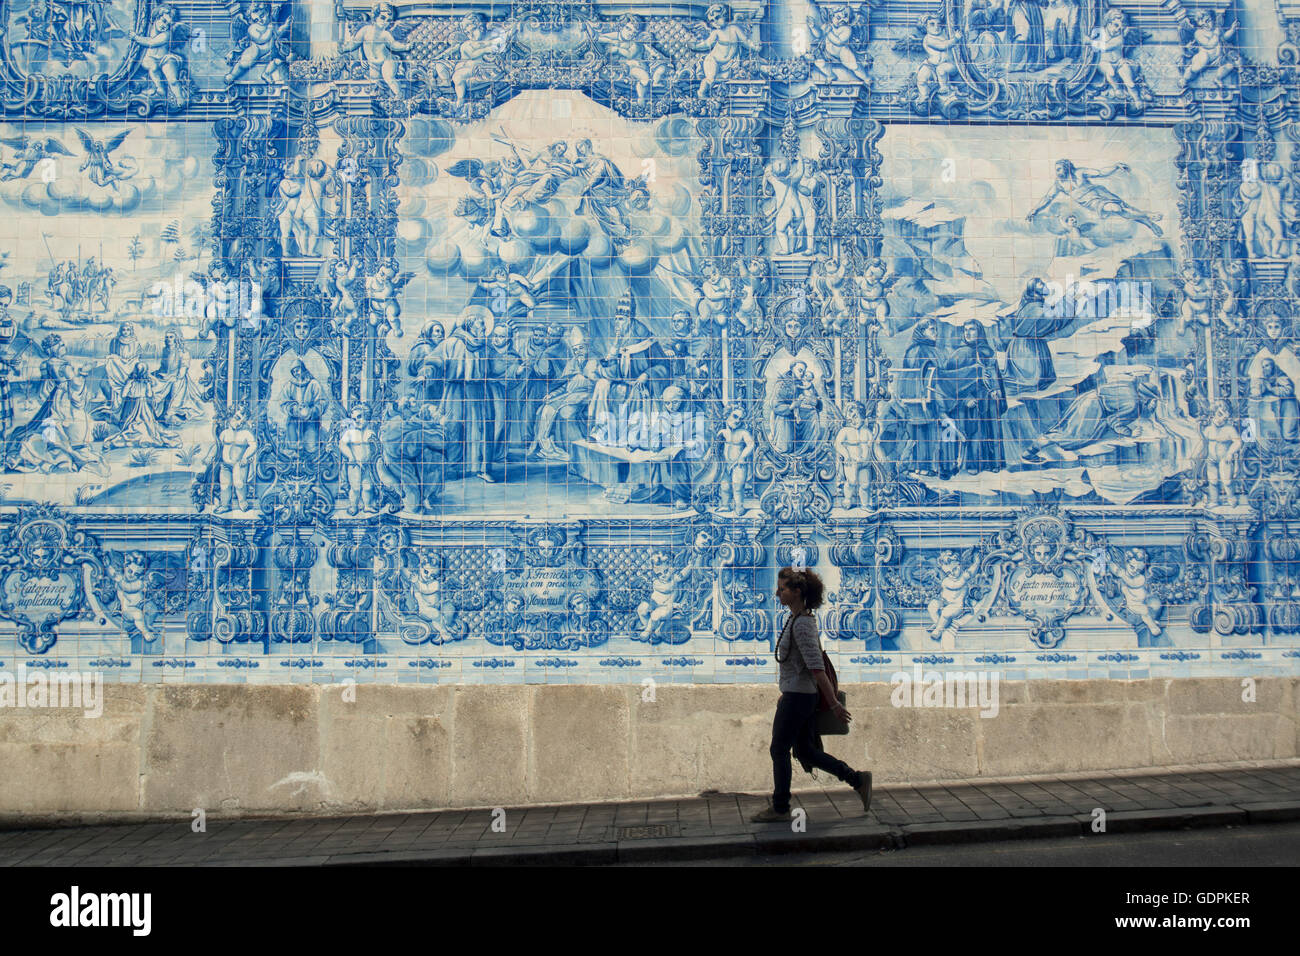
(1133, 582)
(470, 60)
(502, 285)
(829, 280)
(237, 450)
(665, 595)
(724, 43)
(939, 66)
(131, 584)
(378, 42)
(382, 290)
(852, 449)
(749, 313)
(954, 581)
(715, 297)
(1072, 237)
(427, 602)
(261, 45)
(340, 277)
(1111, 43)
(1261, 201)
(835, 40)
(873, 286)
(164, 53)
(1232, 288)
(644, 63)
(1198, 296)
(357, 443)
(737, 448)
(1205, 42)
(1222, 446)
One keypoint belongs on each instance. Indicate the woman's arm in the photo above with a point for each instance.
(805, 635)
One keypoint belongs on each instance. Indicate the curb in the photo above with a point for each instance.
(837, 837)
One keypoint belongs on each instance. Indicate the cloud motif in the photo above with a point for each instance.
(539, 231)
(71, 191)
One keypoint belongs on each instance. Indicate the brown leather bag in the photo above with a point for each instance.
(828, 725)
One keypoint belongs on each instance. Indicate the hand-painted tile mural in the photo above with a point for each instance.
(523, 342)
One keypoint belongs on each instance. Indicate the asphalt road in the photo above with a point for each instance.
(1258, 845)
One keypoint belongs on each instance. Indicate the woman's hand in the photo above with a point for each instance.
(841, 712)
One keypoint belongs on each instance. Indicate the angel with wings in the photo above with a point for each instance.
(28, 151)
(103, 171)
(483, 206)
(378, 41)
(834, 39)
(382, 290)
(164, 53)
(1113, 42)
(469, 60)
(1205, 43)
(262, 44)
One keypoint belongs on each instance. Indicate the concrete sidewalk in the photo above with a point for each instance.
(709, 826)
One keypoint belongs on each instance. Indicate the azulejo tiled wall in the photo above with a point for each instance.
(515, 342)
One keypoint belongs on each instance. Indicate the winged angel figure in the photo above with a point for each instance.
(1113, 43)
(473, 56)
(831, 42)
(103, 171)
(259, 41)
(28, 151)
(164, 54)
(378, 41)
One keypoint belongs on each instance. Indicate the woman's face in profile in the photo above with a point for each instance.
(784, 591)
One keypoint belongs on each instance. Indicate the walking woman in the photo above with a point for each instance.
(803, 680)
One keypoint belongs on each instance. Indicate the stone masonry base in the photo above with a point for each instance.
(234, 750)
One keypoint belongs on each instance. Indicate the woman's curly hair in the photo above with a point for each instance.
(807, 583)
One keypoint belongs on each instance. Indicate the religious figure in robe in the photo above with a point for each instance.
(1110, 411)
(972, 384)
(922, 403)
(175, 394)
(460, 365)
(634, 371)
(137, 425)
(123, 353)
(304, 404)
(1026, 40)
(1029, 361)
